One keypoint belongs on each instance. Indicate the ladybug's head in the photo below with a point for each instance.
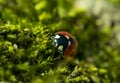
(64, 44)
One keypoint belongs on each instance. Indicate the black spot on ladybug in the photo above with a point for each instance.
(61, 42)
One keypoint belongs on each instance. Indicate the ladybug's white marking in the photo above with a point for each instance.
(56, 43)
(60, 48)
(57, 36)
(66, 36)
(69, 43)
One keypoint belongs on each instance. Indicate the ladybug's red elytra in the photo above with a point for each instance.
(65, 44)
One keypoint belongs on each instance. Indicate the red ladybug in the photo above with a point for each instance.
(65, 44)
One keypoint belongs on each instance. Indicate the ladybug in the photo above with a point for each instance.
(65, 44)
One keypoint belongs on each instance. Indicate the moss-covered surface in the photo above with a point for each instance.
(26, 50)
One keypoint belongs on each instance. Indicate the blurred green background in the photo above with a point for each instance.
(26, 51)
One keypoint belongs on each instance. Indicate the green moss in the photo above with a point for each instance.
(26, 50)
